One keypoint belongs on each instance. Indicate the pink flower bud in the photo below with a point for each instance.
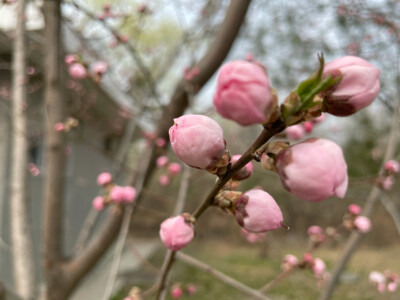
(191, 289)
(174, 168)
(244, 172)
(387, 182)
(318, 267)
(357, 89)
(257, 211)
(104, 178)
(376, 277)
(59, 127)
(197, 140)
(77, 71)
(315, 230)
(100, 67)
(176, 233)
(160, 142)
(289, 261)
(313, 170)
(381, 287)
(70, 59)
(164, 180)
(176, 292)
(129, 194)
(354, 209)
(392, 166)
(320, 119)
(308, 126)
(117, 194)
(243, 93)
(98, 203)
(162, 161)
(363, 224)
(392, 287)
(307, 257)
(295, 132)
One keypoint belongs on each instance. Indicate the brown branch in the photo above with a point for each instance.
(355, 237)
(220, 276)
(22, 249)
(54, 153)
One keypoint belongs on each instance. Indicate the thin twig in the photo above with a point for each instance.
(276, 280)
(85, 231)
(392, 210)
(221, 276)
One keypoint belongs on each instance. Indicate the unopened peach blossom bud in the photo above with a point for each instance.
(162, 161)
(160, 142)
(315, 230)
(100, 67)
(243, 93)
(354, 209)
(191, 289)
(176, 233)
(392, 166)
(70, 59)
(314, 170)
(98, 203)
(197, 140)
(176, 292)
(129, 194)
(387, 182)
(318, 267)
(77, 71)
(117, 194)
(257, 211)
(295, 132)
(164, 180)
(392, 286)
(244, 172)
(174, 168)
(308, 126)
(59, 126)
(289, 261)
(376, 277)
(362, 224)
(104, 179)
(357, 89)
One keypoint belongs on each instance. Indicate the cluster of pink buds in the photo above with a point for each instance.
(388, 281)
(173, 169)
(254, 238)
(177, 291)
(317, 265)
(352, 220)
(386, 181)
(297, 132)
(112, 193)
(177, 232)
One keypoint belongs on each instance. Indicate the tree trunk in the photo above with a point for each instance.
(24, 269)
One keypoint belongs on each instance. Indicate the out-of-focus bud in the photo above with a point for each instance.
(318, 267)
(191, 289)
(244, 172)
(164, 180)
(354, 209)
(386, 182)
(70, 59)
(176, 232)
(294, 132)
(174, 168)
(392, 166)
(104, 179)
(129, 194)
(197, 140)
(176, 292)
(257, 211)
(162, 161)
(77, 71)
(98, 203)
(308, 126)
(243, 93)
(289, 262)
(313, 170)
(117, 194)
(362, 224)
(100, 67)
(357, 89)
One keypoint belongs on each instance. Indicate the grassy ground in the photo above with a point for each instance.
(244, 263)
